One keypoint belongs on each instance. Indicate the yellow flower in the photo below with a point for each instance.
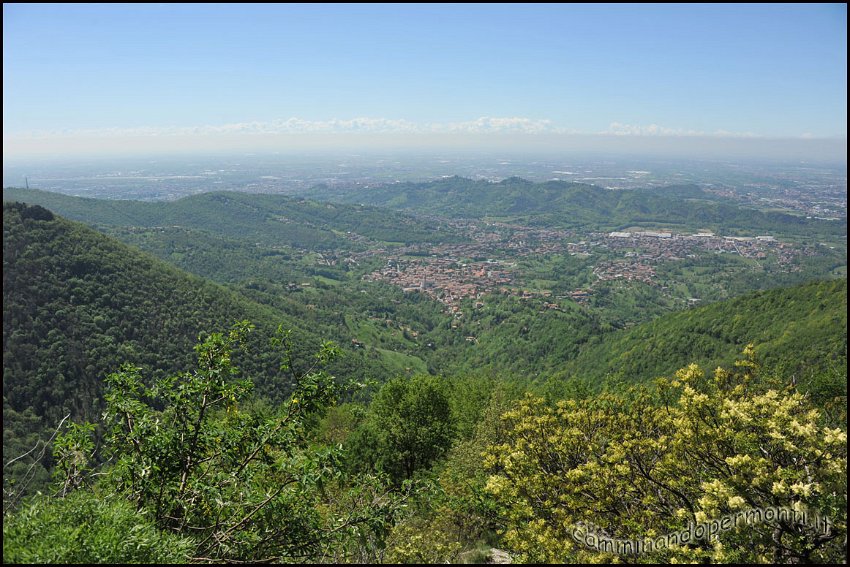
(801, 489)
(736, 502)
(834, 436)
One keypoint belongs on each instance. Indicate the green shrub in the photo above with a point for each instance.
(86, 527)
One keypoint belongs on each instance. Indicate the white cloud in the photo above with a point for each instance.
(484, 125)
(367, 125)
(284, 126)
(620, 129)
(727, 134)
(514, 124)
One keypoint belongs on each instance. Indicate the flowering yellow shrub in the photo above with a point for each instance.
(644, 464)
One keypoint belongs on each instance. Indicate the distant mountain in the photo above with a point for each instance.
(266, 219)
(802, 329)
(573, 205)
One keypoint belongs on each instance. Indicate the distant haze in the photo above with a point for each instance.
(681, 146)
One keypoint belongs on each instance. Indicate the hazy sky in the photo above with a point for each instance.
(137, 77)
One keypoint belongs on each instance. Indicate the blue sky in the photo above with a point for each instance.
(775, 71)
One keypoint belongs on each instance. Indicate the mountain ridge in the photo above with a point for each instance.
(570, 205)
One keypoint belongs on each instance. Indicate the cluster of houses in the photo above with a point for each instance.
(654, 246)
(453, 272)
(446, 279)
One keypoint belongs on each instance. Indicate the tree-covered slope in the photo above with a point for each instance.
(564, 204)
(801, 328)
(77, 304)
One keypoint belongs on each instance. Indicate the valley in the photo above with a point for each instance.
(588, 294)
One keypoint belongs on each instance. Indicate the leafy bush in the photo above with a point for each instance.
(87, 528)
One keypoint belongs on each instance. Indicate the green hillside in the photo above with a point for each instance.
(269, 220)
(77, 304)
(572, 205)
(802, 329)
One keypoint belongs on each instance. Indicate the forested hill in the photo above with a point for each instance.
(78, 304)
(564, 204)
(801, 329)
(266, 219)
